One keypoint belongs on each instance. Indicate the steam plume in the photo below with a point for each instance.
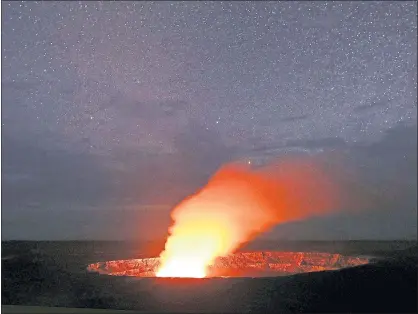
(239, 203)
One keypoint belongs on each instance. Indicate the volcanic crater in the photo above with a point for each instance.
(242, 264)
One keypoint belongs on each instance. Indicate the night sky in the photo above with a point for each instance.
(114, 111)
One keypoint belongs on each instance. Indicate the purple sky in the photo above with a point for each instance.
(109, 107)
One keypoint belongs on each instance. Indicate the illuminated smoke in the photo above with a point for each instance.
(239, 203)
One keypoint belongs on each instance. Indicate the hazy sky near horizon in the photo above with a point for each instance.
(113, 107)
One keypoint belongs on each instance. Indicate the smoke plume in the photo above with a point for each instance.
(239, 203)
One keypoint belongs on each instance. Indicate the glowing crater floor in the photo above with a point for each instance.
(246, 264)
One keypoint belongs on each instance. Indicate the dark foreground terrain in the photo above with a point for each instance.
(54, 274)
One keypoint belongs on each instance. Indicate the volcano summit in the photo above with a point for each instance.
(244, 264)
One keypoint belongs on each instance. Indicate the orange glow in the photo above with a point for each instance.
(235, 206)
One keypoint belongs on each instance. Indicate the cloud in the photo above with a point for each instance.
(385, 173)
(375, 103)
(85, 223)
(262, 152)
(33, 174)
(85, 194)
(379, 224)
(130, 106)
(328, 142)
(166, 178)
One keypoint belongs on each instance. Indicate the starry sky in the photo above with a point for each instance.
(114, 111)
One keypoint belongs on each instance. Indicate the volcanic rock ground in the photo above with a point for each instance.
(54, 274)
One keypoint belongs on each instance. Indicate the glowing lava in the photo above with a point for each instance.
(236, 205)
(243, 264)
(183, 267)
